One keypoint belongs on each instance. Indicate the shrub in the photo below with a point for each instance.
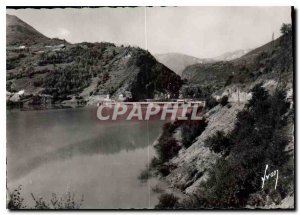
(211, 102)
(11, 104)
(219, 143)
(256, 140)
(224, 101)
(167, 201)
(155, 162)
(9, 86)
(71, 79)
(164, 170)
(157, 189)
(66, 201)
(167, 148)
(224, 188)
(37, 83)
(191, 129)
(145, 175)
(170, 127)
(16, 202)
(36, 100)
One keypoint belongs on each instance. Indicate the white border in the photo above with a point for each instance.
(5, 3)
(151, 3)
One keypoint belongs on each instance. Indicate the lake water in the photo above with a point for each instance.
(61, 150)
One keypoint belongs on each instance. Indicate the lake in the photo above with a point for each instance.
(61, 150)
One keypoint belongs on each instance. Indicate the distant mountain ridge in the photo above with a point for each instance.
(273, 60)
(178, 62)
(228, 56)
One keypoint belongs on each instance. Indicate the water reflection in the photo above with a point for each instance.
(43, 144)
(115, 138)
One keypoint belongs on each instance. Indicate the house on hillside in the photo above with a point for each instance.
(289, 97)
(56, 47)
(235, 95)
(101, 98)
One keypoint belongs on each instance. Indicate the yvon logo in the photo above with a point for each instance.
(266, 177)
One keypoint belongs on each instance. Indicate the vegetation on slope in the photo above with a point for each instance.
(66, 202)
(257, 139)
(68, 71)
(168, 147)
(40, 65)
(271, 61)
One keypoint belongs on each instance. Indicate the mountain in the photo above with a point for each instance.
(19, 32)
(178, 62)
(84, 70)
(228, 56)
(243, 110)
(273, 60)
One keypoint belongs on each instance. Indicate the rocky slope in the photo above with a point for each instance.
(191, 168)
(271, 65)
(198, 157)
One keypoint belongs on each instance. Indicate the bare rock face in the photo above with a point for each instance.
(194, 162)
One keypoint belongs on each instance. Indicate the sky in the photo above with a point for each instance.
(202, 32)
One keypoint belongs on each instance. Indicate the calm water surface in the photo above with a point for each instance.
(60, 150)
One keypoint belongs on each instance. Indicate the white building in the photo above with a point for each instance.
(121, 97)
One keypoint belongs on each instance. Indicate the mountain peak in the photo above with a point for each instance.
(19, 32)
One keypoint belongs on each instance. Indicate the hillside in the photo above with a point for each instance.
(19, 33)
(82, 71)
(249, 124)
(273, 60)
(178, 62)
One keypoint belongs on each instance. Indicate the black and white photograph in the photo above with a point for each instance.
(150, 108)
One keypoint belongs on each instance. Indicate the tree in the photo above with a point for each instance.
(219, 143)
(191, 129)
(257, 140)
(286, 29)
(224, 101)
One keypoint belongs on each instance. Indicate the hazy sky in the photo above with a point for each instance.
(198, 31)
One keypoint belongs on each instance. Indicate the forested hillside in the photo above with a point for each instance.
(65, 71)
